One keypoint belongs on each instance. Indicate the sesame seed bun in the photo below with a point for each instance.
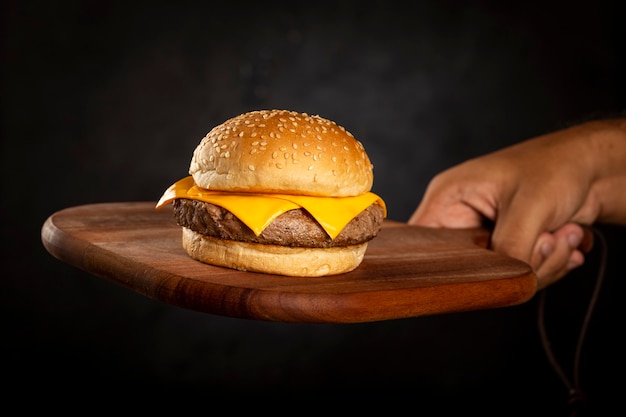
(272, 259)
(282, 151)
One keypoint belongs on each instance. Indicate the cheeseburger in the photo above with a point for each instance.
(278, 192)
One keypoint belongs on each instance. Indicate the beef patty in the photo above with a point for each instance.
(292, 228)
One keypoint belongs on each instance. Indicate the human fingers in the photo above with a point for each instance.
(520, 224)
(453, 199)
(449, 215)
(555, 254)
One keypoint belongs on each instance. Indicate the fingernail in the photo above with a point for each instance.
(573, 240)
(546, 249)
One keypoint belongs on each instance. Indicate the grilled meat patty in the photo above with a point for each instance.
(296, 228)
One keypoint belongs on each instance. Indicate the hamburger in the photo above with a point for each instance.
(278, 192)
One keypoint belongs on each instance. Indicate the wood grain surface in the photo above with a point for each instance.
(407, 271)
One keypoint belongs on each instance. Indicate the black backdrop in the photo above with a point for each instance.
(105, 101)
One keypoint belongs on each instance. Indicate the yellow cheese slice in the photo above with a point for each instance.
(258, 210)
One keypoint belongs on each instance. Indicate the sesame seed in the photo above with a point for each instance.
(251, 167)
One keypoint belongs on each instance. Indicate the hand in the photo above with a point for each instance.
(536, 193)
(556, 254)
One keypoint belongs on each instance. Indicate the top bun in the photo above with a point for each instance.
(280, 151)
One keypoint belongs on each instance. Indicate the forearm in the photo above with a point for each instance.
(607, 144)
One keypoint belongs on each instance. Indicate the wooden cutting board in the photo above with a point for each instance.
(408, 271)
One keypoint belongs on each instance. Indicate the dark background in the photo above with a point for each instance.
(105, 101)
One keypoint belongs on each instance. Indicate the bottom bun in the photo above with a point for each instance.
(272, 259)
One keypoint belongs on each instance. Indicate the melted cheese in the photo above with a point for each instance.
(258, 210)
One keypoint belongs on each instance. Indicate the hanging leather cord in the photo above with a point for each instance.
(576, 399)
